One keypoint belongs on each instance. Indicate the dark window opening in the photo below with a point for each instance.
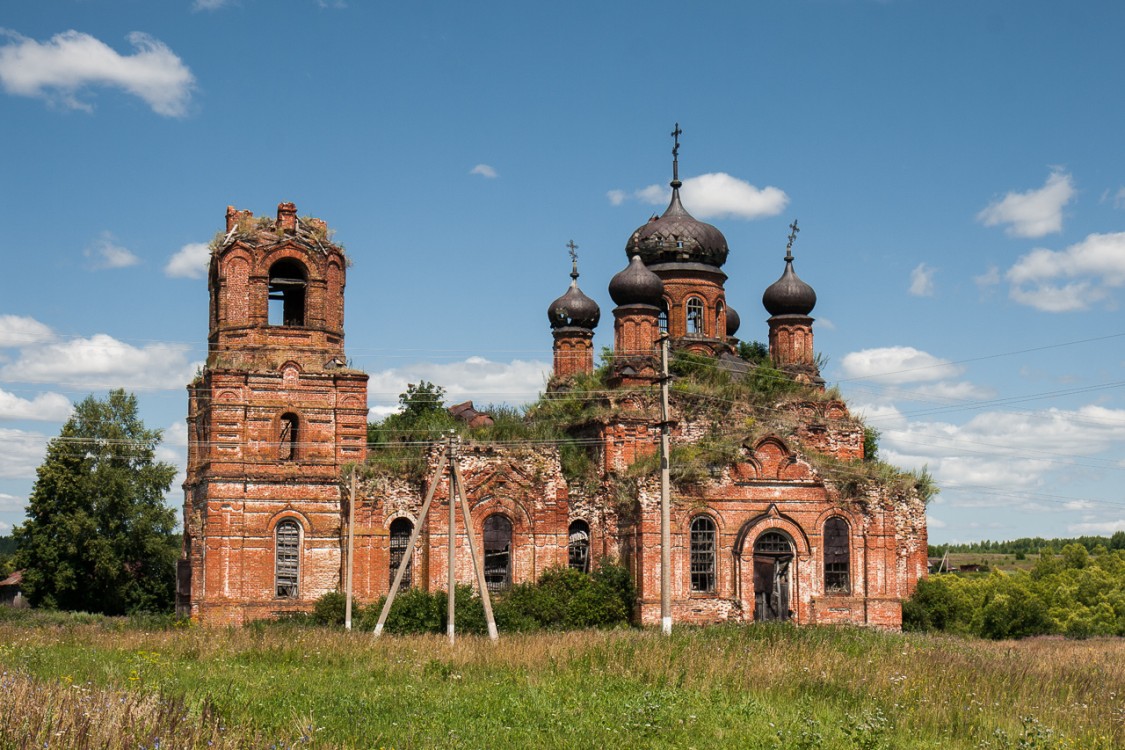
(287, 565)
(773, 556)
(702, 554)
(662, 321)
(287, 293)
(287, 439)
(837, 578)
(579, 546)
(695, 315)
(497, 553)
(401, 529)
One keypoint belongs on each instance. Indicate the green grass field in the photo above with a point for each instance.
(82, 682)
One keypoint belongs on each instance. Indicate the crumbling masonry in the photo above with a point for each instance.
(778, 530)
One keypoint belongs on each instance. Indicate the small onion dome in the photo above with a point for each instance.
(636, 285)
(789, 295)
(678, 237)
(733, 321)
(574, 308)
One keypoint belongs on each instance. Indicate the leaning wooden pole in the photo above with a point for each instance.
(405, 562)
(478, 564)
(351, 555)
(450, 626)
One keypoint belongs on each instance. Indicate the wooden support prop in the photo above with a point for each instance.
(409, 551)
(478, 564)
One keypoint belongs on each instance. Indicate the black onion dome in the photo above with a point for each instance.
(636, 285)
(789, 295)
(733, 321)
(678, 237)
(574, 308)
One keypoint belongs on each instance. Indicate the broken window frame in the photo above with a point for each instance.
(288, 437)
(694, 310)
(497, 533)
(703, 535)
(578, 546)
(720, 329)
(837, 556)
(287, 559)
(399, 534)
(288, 286)
(662, 318)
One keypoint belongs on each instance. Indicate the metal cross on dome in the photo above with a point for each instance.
(573, 259)
(676, 153)
(793, 229)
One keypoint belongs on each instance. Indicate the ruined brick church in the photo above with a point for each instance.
(779, 529)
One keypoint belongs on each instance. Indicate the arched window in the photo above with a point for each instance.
(287, 558)
(288, 281)
(287, 441)
(662, 320)
(694, 315)
(401, 529)
(579, 547)
(720, 327)
(702, 554)
(497, 553)
(837, 577)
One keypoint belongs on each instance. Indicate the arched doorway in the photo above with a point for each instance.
(773, 563)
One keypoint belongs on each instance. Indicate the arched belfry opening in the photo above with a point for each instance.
(288, 281)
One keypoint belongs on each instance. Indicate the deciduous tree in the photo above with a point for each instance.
(97, 535)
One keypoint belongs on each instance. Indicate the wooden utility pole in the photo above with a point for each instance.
(450, 628)
(351, 556)
(665, 495)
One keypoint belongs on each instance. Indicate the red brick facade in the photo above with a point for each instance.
(277, 417)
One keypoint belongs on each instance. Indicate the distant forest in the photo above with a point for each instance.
(1032, 545)
(7, 546)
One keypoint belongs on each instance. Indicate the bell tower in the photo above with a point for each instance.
(273, 418)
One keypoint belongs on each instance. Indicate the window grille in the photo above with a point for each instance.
(497, 553)
(401, 529)
(287, 564)
(837, 578)
(695, 315)
(702, 554)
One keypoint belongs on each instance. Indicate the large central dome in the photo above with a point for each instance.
(678, 237)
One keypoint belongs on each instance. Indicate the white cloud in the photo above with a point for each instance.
(1119, 198)
(17, 330)
(5, 528)
(106, 253)
(1103, 528)
(935, 523)
(1094, 266)
(10, 503)
(484, 171)
(21, 452)
(897, 364)
(1034, 213)
(922, 281)
(102, 361)
(712, 196)
(990, 277)
(475, 378)
(210, 4)
(71, 61)
(47, 407)
(189, 262)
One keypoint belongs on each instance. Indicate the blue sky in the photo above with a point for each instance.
(956, 168)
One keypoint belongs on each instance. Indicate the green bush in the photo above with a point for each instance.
(330, 609)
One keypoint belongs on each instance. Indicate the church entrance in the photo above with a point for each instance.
(773, 559)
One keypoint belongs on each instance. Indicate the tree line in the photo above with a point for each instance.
(1077, 593)
(1031, 545)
